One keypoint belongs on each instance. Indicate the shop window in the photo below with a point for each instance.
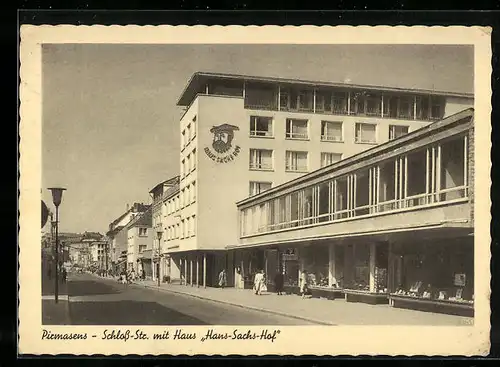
(387, 194)
(362, 204)
(331, 131)
(261, 126)
(436, 271)
(296, 129)
(396, 131)
(361, 280)
(341, 198)
(452, 170)
(290, 267)
(316, 259)
(323, 204)
(417, 173)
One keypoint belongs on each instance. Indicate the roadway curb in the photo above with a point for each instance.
(239, 305)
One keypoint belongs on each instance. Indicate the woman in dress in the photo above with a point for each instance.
(259, 282)
(303, 284)
(222, 278)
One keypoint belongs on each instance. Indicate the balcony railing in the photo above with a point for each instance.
(335, 138)
(443, 196)
(261, 166)
(292, 135)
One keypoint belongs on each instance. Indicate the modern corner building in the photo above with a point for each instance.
(269, 138)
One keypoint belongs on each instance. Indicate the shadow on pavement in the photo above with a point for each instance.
(90, 287)
(127, 313)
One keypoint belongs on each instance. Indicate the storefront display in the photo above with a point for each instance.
(316, 263)
(437, 277)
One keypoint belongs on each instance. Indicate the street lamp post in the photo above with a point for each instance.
(158, 234)
(56, 198)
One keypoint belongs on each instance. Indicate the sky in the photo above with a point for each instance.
(110, 121)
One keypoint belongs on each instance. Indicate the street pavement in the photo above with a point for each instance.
(54, 313)
(104, 301)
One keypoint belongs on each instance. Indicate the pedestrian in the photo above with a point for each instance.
(278, 282)
(303, 284)
(143, 274)
(222, 278)
(259, 282)
(64, 274)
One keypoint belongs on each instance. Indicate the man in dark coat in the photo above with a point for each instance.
(278, 282)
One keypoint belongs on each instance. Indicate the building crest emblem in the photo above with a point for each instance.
(222, 143)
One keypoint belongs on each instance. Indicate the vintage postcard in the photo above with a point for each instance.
(254, 190)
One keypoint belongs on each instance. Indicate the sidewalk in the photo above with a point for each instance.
(320, 311)
(54, 313)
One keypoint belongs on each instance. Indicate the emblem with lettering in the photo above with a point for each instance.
(223, 151)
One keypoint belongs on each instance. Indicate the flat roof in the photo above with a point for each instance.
(384, 147)
(199, 79)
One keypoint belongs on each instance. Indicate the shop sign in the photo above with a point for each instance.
(222, 150)
(290, 254)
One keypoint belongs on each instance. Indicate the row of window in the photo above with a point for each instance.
(360, 102)
(296, 161)
(185, 197)
(438, 173)
(262, 126)
(184, 229)
(188, 164)
(188, 134)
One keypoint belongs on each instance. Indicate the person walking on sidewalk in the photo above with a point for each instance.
(303, 284)
(64, 274)
(259, 282)
(222, 278)
(278, 282)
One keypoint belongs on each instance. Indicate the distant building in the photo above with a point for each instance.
(117, 234)
(139, 239)
(162, 194)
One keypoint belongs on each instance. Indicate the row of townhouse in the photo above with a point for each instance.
(368, 189)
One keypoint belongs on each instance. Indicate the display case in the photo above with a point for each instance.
(359, 289)
(438, 278)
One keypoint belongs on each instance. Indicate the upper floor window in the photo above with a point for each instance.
(183, 139)
(296, 129)
(261, 159)
(261, 126)
(193, 129)
(296, 161)
(188, 133)
(183, 164)
(395, 131)
(330, 158)
(143, 231)
(258, 187)
(193, 191)
(331, 131)
(365, 133)
(193, 159)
